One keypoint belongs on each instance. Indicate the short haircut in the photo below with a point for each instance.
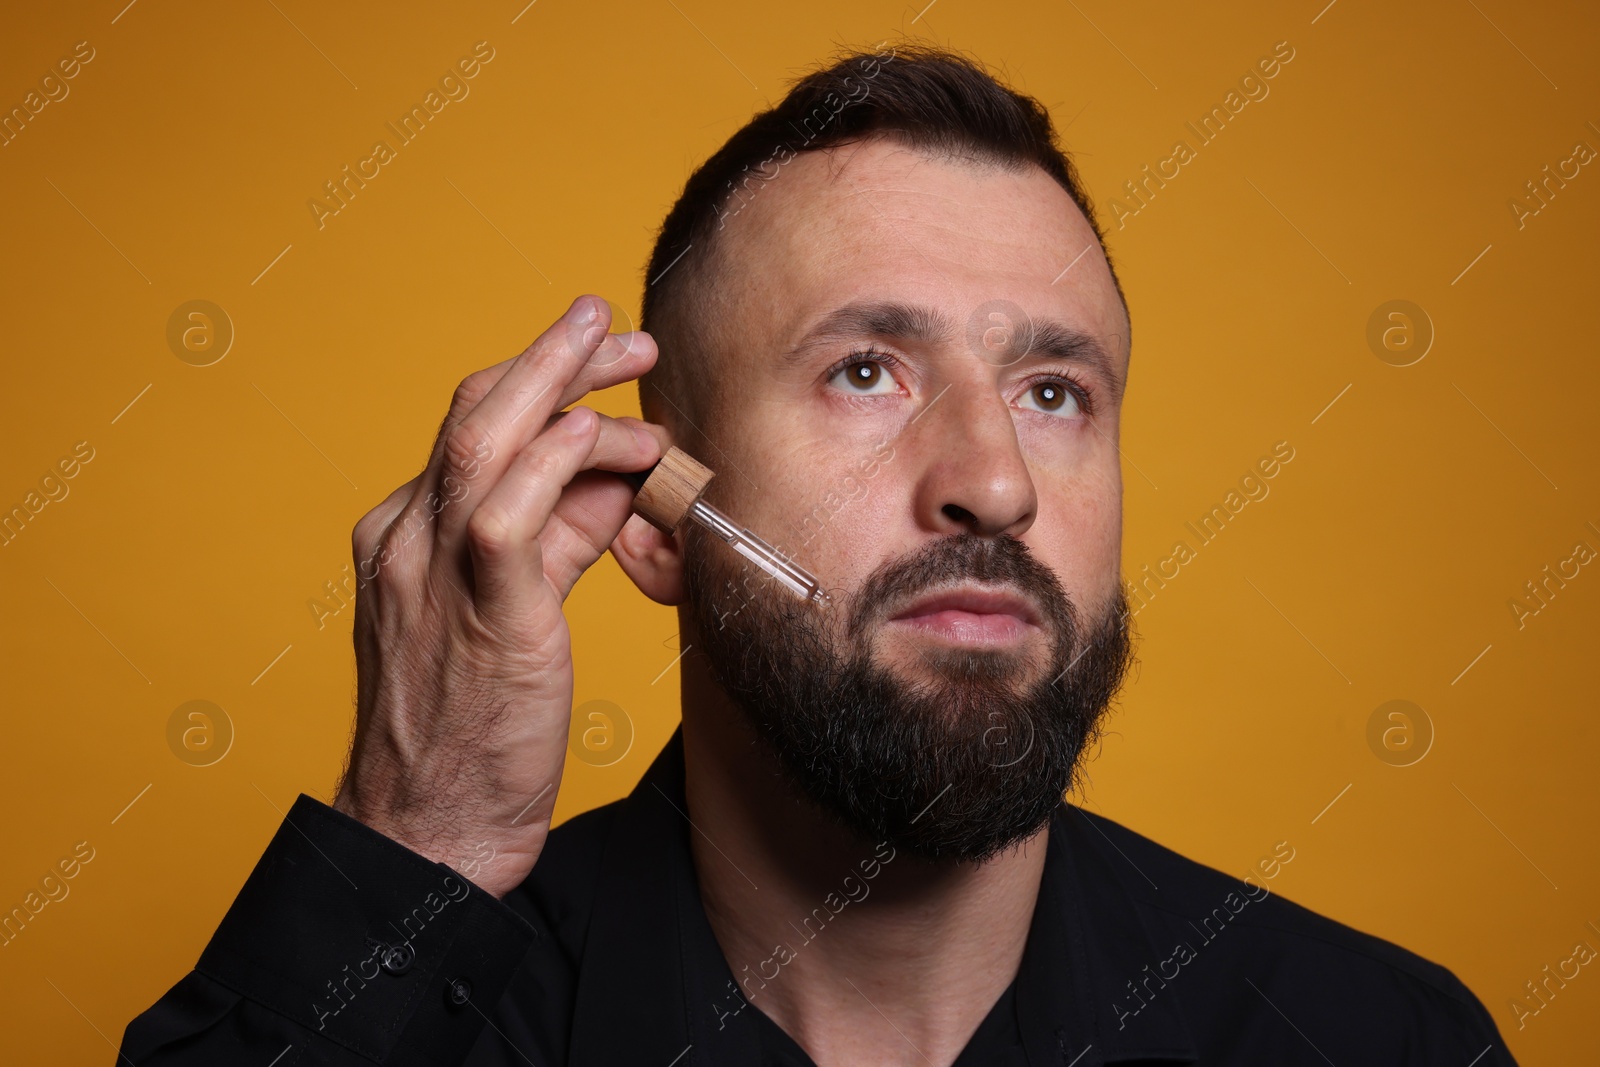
(929, 99)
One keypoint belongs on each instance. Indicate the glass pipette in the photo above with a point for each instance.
(669, 492)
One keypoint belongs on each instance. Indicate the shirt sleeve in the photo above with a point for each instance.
(344, 947)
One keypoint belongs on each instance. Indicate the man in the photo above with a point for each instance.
(886, 317)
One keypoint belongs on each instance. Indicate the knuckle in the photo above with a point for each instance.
(483, 453)
(488, 531)
(543, 465)
(466, 445)
(473, 388)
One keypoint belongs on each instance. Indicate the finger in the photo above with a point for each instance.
(625, 444)
(585, 522)
(591, 511)
(524, 494)
(614, 359)
(521, 502)
(482, 445)
(661, 434)
(619, 358)
(508, 571)
(456, 484)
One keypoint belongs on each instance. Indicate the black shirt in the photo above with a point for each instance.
(996, 1043)
(346, 948)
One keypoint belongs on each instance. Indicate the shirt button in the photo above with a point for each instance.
(458, 991)
(397, 959)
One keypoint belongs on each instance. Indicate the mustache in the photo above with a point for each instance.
(1002, 560)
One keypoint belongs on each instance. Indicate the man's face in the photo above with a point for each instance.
(917, 369)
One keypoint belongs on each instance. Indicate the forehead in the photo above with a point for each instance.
(878, 221)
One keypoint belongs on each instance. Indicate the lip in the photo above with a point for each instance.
(971, 613)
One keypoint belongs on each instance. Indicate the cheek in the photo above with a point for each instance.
(805, 489)
(863, 534)
(1078, 534)
(832, 518)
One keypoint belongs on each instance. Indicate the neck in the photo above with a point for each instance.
(861, 953)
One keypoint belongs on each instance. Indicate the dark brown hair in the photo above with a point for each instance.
(927, 98)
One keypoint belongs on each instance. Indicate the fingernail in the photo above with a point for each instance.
(584, 309)
(578, 421)
(647, 440)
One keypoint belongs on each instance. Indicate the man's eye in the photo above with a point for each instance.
(1052, 398)
(865, 378)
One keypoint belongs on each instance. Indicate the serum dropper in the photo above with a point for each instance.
(669, 494)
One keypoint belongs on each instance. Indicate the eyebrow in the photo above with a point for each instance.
(1049, 338)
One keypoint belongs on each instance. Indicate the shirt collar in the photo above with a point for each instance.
(653, 986)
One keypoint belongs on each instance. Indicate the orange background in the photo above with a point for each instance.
(1380, 566)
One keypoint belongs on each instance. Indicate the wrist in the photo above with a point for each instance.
(489, 858)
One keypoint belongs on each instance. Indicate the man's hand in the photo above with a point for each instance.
(463, 657)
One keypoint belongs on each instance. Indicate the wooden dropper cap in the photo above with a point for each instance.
(668, 490)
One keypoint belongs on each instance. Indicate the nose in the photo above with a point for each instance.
(975, 478)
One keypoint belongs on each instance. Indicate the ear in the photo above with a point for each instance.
(652, 560)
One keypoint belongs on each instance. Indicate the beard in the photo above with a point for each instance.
(958, 767)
